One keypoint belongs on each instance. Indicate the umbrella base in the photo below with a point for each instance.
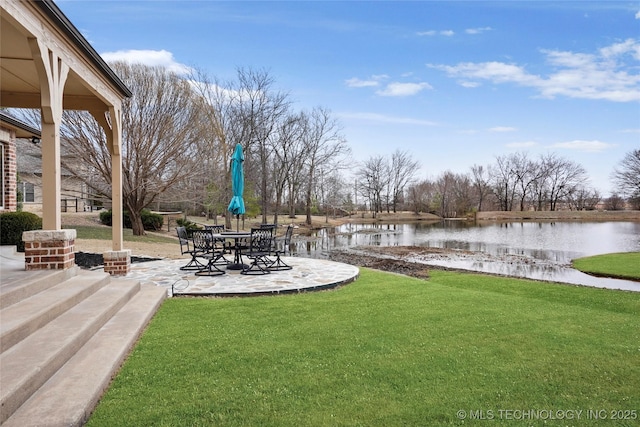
(233, 266)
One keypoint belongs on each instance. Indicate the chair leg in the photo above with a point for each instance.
(278, 264)
(211, 269)
(194, 264)
(255, 268)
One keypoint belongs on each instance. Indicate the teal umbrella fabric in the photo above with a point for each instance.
(236, 206)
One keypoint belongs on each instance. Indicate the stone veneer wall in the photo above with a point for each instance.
(49, 250)
(117, 263)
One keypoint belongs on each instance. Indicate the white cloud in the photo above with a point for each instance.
(525, 144)
(502, 129)
(587, 146)
(356, 82)
(469, 84)
(447, 33)
(477, 30)
(607, 74)
(638, 14)
(381, 118)
(403, 89)
(153, 58)
(630, 130)
(373, 81)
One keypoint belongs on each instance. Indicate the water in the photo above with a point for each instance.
(536, 250)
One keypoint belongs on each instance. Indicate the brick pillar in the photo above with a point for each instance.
(9, 175)
(49, 250)
(117, 263)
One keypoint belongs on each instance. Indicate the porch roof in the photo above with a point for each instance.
(91, 84)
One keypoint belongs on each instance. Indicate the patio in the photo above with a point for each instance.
(306, 275)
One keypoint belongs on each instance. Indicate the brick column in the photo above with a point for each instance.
(117, 263)
(49, 250)
(9, 173)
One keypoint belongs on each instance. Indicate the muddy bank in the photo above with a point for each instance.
(380, 262)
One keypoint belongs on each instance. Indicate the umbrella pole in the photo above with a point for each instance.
(237, 222)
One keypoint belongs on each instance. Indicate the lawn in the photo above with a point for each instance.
(624, 265)
(104, 233)
(387, 350)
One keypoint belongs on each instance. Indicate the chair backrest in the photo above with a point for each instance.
(202, 239)
(287, 235)
(182, 233)
(261, 239)
(215, 228)
(184, 240)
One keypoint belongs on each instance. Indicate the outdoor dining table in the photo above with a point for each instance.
(237, 236)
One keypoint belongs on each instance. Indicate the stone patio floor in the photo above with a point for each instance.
(306, 275)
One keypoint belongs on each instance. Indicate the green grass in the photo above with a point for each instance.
(104, 233)
(625, 265)
(386, 350)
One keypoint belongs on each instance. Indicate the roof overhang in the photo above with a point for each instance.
(21, 129)
(90, 85)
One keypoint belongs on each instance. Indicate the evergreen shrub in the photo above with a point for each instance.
(150, 220)
(13, 224)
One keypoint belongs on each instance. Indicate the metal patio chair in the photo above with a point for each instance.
(259, 251)
(203, 242)
(186, 247)
(281, 247)
(220, 243)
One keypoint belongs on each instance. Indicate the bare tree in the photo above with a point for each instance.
(480, 184)
(503, 182)
(287, 154)
(373, 178)
(323, 145)
(445, 203)
(614, 203)
(421, 195)
(525, 173)
(157, 139)
(261, 109)
(562, 178)
(403, 169)
(584, 198)
(223, 133)
(627, 174)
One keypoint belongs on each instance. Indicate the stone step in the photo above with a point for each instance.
(69, 396)
(16, 288)
(27, 365)
(23, 318)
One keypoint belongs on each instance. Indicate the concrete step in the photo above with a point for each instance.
(18, 286)
(69, 396)
(23, 318)
(30, 363)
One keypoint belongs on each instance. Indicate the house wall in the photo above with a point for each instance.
(9, 170)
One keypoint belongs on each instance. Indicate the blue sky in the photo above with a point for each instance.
(452, 83)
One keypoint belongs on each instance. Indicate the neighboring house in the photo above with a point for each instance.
(74, 195)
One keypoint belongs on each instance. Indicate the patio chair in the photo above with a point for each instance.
(259, 251)
(220, 243)
(204, 244)
(186, 247)
(282, 247)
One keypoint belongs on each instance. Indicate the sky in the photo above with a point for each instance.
(453, 84)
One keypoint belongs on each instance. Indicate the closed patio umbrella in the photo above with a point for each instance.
(236, 206)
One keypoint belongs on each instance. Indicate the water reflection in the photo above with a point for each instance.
(550, 246)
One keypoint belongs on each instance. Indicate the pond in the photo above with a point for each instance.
(550, 245)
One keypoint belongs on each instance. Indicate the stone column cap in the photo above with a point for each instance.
(49, 235)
